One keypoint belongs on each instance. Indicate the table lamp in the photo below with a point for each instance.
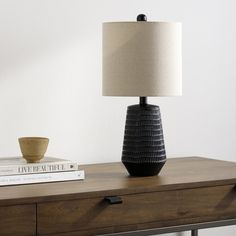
(142, 59)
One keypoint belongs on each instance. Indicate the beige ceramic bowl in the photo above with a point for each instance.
(33, 148)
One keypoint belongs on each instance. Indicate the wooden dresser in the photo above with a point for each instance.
(189, 192)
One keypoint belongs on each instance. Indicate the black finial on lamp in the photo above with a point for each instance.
(141, 17)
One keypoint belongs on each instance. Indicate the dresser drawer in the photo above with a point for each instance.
(18, 220)
(165, 208)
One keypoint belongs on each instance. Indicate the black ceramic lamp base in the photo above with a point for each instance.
(143, 148)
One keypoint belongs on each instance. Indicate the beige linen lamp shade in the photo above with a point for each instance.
(142, 59)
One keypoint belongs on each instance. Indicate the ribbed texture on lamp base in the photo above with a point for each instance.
(143, 148)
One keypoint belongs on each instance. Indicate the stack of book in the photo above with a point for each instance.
(15, 171)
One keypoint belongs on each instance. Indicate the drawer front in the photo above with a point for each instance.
(18, 220)
(165, 208)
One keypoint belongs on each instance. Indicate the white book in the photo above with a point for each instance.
(41, 178)
(18, 166)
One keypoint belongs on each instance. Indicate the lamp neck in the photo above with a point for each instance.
(142, 101)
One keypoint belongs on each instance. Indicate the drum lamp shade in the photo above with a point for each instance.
(142, 59)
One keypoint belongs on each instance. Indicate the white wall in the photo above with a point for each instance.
(50, 78)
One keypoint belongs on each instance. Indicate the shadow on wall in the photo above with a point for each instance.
(29, 29)
(177, 234)
(180, 234)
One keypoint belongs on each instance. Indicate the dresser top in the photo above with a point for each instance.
(112, 179)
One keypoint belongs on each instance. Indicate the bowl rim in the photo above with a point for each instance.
(33, 138)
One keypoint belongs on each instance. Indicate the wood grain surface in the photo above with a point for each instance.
(112, 179)
(188, 190)
(165, 208)
(18, 220)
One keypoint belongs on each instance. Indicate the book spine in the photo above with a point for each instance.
(41, 178)
(37, 168)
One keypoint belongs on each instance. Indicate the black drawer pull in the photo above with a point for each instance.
(113, 200)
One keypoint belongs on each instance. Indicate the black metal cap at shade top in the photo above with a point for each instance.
(141, 17)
